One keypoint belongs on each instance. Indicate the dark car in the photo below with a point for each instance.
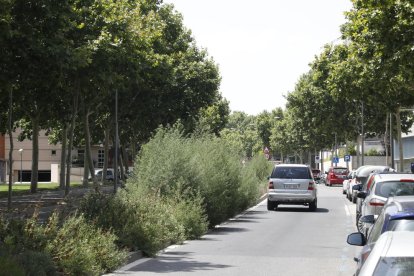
(397, 215)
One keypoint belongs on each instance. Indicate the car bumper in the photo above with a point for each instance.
(306, 197)
(336, 181)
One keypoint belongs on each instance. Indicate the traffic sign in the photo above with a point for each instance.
(335, 160)
(347, 158)
(317, 159)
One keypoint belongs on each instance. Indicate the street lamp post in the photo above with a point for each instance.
(21, 165)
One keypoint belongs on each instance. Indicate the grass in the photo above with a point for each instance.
(23, 189)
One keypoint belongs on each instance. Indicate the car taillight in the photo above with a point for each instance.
(311, 186)
(271, 186)
(376, 202)
(406, 180)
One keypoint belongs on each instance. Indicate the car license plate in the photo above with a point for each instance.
(291, 186)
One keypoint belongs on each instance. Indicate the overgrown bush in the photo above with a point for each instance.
(75, 246)
(10, 267)
(181, 185)
(37, 263)
(80, 248)
(205, 165)
(146, 221)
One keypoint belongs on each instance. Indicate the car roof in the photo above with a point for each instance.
(292, 165)
(398, 243)
(393, 176)
(366, 170)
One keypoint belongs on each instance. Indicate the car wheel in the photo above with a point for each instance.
(271, 205)
(313, 205)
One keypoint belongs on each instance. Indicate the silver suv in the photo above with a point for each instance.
(292, 184)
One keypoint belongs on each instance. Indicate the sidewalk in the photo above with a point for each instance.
(46, 202)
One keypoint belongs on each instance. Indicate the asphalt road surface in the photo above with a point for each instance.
(289, 241)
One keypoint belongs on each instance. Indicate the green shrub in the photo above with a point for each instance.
(80, 248)
(190, 213)
(10, 267)
(37, 263)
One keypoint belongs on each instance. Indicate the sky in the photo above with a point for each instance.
(262, 47)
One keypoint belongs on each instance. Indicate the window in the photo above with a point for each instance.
(402, 266)
(53, 152)
(101, 158)
(81, 154)
(292, 172)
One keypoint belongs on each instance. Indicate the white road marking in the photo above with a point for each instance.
(348, 213)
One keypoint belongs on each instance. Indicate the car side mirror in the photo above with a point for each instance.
(368, 219)
(361, 195)
(357, 187)
(357, 239)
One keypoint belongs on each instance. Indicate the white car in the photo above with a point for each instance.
(345, 184)
(384, 185)
(393, 254)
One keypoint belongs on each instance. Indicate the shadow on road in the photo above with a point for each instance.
(300, 209)
(222, 230)
(170, 264)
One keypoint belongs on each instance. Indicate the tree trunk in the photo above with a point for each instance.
(125, 159)
(106, 150)
(121, 166)
(63, 157)
(85, 181)
(35, 155)
(400, 145)
(88, 152)
(70, 144)
(386, 142)
(10, 130)
(358, 152)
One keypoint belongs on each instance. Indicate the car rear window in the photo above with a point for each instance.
(394, 188)
(401, 225)
(291, 172)
(340, 171)
(402, 266)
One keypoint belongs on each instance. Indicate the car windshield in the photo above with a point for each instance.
(340, 170)
(401, 266)
(291, 172)
(394, 188)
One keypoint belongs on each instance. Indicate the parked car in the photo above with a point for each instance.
(109, 175)
(364, 178)
(397, 215)
(383, 185)
(393, 254)
(292, 184)
(346, 183)
(360, 175)
(336, 175)
(316, 173)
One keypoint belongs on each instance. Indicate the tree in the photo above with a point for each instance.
(381, 32)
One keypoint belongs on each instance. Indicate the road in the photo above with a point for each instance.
(290, 241)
